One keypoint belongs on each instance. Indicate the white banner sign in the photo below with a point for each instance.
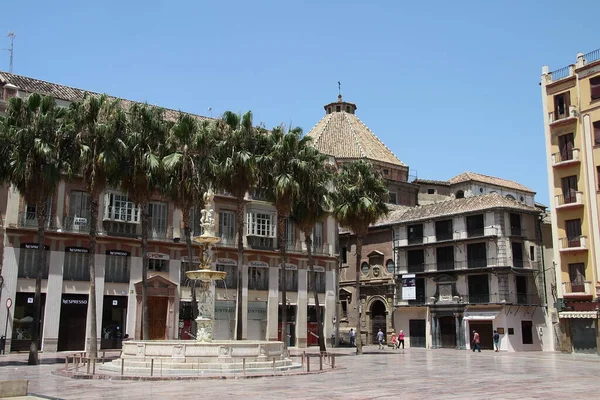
(258, 264)
(226, 261)
(409, 290)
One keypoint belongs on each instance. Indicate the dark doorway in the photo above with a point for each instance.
(416, 332)
(486, 334)
(448, 331)
(114, 318)
(23, 321)
(527, 332)
(521, 289)
(71, 330)
(157, 317)
(583, 334)
(378, 320)
(290, 325)
(479, 289)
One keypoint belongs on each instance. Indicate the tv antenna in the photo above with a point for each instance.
(12, 36)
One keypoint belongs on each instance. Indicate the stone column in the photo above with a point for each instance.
(330, 303)
(53, 301)
(460, 332)
(244, 303)
(273, 303)
(302, 309)
(435, 331)
(100, 263)
(133, 314)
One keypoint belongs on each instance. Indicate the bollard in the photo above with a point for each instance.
(332, 361)
(321, 362)
(152, 367)
(302, 357)
(94, 367)
(307, 364)
(87, 370)
(244, 365)
(273, 364)
(122, 365)
(66, 363)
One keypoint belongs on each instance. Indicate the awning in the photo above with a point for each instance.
(481, 315)
(578, 314)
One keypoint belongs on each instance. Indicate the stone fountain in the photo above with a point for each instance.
(205, 354)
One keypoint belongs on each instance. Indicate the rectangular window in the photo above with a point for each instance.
(291, 279)
(344, 255)
(227, 224)
(532, 253)
(158, 265)
(117, 269)
(503, 287)
(29, 217)
(157, 227)
(320, 279)
(445, 258)
(527, 332)
(517, 254)
(76, 266)
(117, 207)
(258, 278)
(479, 289)
(317, 237)
(573, 232)
(477, 255)
(569, 189)
(290, 233)
(416, 261)
(415, 234)
(598, 176)
(515, 225)
(561, 105)
(565, 146)
(577, 277)
(195, 227)
(596, 133)
(261, 224)
(430, 191)
(522, 289)
(230, 280)
(595, 88)
(475, 225)
(393, 198)
(419, 292)
(443, 230)
(28, 263)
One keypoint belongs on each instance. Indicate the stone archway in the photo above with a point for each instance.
(378, 314)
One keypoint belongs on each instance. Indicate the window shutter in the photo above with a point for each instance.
(595, 88)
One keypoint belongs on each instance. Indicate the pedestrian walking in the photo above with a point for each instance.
(401, 339)
(496, 340)
(394, 341)
(380, 339)
(352, 335)
(476, 342)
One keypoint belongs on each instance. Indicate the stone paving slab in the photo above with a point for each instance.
(385, 374)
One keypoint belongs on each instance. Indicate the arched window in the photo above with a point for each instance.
(460, 194)
(365, 268)
(510, 196)
(390, 266)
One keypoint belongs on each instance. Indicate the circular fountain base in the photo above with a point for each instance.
(187, 357)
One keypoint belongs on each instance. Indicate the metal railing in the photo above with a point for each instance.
(441, 236)
(261, 242)
(415, 239)
(122, 214)
(227, 240)
(565, 155)
(160, 232)
(591, 56)
(573, 198)
(412, 268)
(445, 265)
(517, 231)
(29, 220)
(575, 242)
(577, 288)
(76, 224)
(475, 232)
(561, 73)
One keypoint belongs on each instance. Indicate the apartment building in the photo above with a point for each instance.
(571, 105)
(65, 285)
(344, 137)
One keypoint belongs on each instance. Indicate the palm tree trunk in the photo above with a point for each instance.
(239, 329)
(145, 322)
(281, 241)
(313, 279)
(187, 231)
(93, 346)
(359, 351)
(41, 216)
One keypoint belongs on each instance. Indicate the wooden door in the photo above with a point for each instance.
(157, 317)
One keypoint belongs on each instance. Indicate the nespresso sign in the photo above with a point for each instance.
(76, 250)
(33, 246)
(119, 253)
(75, 302)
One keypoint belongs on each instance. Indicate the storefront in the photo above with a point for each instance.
(224, 320)
(257, 320)
(22, 327)
(290, 326)
(72, 325)
(114, 318)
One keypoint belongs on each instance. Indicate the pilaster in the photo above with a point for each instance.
(53, 301)
(302, 309)
(273, 303)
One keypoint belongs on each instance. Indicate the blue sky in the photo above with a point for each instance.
(449, 86)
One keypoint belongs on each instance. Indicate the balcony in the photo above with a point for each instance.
(419, 301)
(443, 236)
(517, 231)
(29, 220)
(565, 158)
(261, 242)
(76, 224)
(160, 232)
(577, 290)
(127, 214)
(475, 263)
(227, 240)
(323, 250)
(563, 118)
(445, 265)
(415, 239)
(571, 200)
(415, 268)
(475, 232)
(574, 244)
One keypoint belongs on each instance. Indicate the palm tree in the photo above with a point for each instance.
(38, 137)
(100, 125)
(311, 207)
(141, 175)
(238, 153)
(285, 169)
(359, 201)
(188, 175)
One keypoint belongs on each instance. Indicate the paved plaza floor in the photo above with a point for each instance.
(377, 374)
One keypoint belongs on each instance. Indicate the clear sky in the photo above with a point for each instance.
(449, 86)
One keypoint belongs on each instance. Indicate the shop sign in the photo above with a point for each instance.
(258, 264)
(77, 250)
(409, 289)
(120, 253)
(257, 310)
(195, 259)
(226, 261)
(289, 267)
(75, 301)
(225, 310)
(79, 221)
(157, 256)
(319, 269)
(33, 246)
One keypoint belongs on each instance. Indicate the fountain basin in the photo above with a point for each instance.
(206, 239)
(205, 275)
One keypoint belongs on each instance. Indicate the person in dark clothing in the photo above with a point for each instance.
(496, 341)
